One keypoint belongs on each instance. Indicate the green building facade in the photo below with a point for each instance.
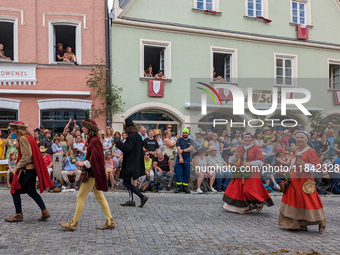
(248, 43)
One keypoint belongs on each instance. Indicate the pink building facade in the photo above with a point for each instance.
(36, 88)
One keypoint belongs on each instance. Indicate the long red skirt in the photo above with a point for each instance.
(241, 196)
(297, 206)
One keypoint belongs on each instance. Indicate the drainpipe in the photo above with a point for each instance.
(108, 52)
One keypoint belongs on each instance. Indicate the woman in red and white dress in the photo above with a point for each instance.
(245, 195)
(299, 209)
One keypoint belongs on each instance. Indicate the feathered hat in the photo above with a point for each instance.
(90, 124)
(18, 125)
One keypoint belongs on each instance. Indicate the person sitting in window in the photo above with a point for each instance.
(217, 78)
(160, 76)
(148, 72)
(69, 55)
(2, 53)
(60, 52)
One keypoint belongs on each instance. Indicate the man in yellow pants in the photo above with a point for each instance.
(97, 181)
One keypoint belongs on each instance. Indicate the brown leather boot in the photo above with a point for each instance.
(107, 226)
(44, 215)
(16, 218)
(68, 225)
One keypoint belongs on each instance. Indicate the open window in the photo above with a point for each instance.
(7, 39)
(223, 66)
(156, 55)
(66, 33)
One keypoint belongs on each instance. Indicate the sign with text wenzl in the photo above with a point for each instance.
(17, 74)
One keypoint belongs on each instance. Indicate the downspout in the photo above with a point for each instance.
(108, 54)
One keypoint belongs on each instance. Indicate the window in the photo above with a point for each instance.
(7, 38)
(334, 76)
(255, 8)
(56, 120)
(222, 66)
(7, 116)
(156, 54)
(284, 71)
(66, 33)
(205, 5)
(299, 12)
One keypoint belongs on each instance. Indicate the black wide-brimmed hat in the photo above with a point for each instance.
(129, 122)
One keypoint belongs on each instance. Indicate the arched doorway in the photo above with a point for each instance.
(149, 118)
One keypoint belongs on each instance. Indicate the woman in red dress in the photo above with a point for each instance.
(245, 195)
(299, 209)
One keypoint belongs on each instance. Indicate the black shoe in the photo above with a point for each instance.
(223, 188)
(186, 190)
(178, 189)
(167, 188)
(219, 189)
(129, 203)
(143, 201)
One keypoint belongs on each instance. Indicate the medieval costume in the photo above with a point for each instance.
(30, 165)
(133, 161)
(246, 194)
(301, 207)
(97, 181)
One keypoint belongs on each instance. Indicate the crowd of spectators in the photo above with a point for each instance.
(164, 152)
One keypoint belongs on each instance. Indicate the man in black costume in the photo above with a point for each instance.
(133, 161)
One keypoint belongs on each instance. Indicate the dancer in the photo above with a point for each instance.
(97, 181)
(30, 165)
(245, 195)
(301, 205)
(133, 161)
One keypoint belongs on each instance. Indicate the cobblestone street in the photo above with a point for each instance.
(168, 224)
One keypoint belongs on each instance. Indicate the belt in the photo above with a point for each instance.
(29, 166)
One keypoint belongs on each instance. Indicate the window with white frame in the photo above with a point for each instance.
(255, 8)
(299, 12)
(67, 34)
(334, 76)
(155, 57)
(7, 40)
(205, 5)
(284, 71)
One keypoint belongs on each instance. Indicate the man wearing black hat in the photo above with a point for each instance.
(133, 161)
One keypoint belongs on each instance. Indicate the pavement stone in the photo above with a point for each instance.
(168, 224)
